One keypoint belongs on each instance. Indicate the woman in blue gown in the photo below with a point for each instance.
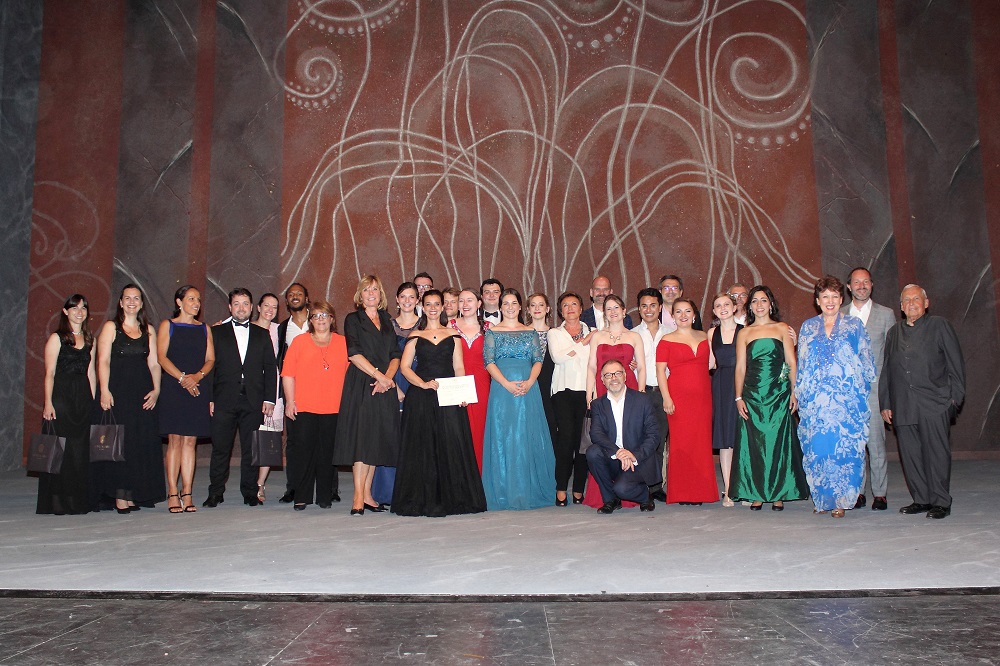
(518, 463)
(836, 369)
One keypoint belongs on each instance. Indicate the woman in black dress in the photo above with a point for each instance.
(722, 362)
(128, 373)
(186, 353)
(437, 474)
(368, 425)
(69, 396)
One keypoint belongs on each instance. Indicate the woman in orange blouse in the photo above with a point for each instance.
(313, 379)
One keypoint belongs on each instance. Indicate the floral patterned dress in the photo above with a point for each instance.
(834, 377)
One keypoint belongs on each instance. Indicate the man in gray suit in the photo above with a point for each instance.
(877, 319)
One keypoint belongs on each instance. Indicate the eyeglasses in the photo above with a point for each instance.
(320, 316)
(618, 374)
(670, 288)
(738, 295)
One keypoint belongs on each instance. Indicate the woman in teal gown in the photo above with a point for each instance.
(767, 458)
(836, 369)
(518, 462)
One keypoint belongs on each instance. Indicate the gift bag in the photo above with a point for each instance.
(45, 453)
(585, 435)
(107, 440)
(265, 448)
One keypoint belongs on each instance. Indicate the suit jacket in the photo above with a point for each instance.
(588, 318)
(258, 371)
(924, 372)
(880, 320)
(640, 435)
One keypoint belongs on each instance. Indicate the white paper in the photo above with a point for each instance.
(456, 390)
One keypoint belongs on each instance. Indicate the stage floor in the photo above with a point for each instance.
(707, 552)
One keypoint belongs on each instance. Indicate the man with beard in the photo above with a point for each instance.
(594, 315)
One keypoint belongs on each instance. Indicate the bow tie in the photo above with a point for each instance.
(245, 324)
(491, 315)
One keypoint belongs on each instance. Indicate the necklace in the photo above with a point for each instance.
(615, 338)
(322, 352)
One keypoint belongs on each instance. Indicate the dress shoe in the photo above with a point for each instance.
(879, 504)
(300, 507)
(376, 508)
(288, 497)
(213, 501)
(862, 501)
(610, 507)
(357, 512)
(659, 495)
(251, 500)
(335, 498)
(648, 505)
(911, 509)
(324, 505)
(939, 512)
(690, 503)
(577, 500)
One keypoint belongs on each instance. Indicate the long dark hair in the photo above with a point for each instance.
(140, 316)
(65, 330)
(775, 315)
(179, 296)
(442, 318)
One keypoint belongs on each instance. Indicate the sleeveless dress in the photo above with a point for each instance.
(518, 463)
(140, 478)
(624, 353)
(67, 492)
(724, 412)
(690, 469)
(767, 459)
(368, 425)
(472, 353)
(437, 474)
(180, 412)
(384, 478)
(545, 384)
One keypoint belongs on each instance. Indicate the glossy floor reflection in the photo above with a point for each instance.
(871, 631)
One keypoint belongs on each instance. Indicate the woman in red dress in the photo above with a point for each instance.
(687, 400)
(471, 329)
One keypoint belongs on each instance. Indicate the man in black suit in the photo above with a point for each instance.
(244, 383)
(920, 390)
(489, 292)
(623, 434)
(594, 315)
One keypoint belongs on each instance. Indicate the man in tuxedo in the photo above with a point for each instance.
(244, 384)
(877, 319)
(490, 292)
(920, 390)
(594, 315)
(623, 434)
(297, 323)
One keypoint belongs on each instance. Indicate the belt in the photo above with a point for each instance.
(652, 388)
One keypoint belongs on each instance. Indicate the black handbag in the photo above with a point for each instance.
(265, 448)
(46, 450)
(107, 440)
(585, 434)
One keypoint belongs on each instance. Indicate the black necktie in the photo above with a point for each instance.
(245, 324)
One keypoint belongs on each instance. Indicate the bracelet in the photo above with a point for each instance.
(180, 380)
(738, 398)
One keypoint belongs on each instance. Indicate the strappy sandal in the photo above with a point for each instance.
(175, 509)
(190, 508)
(260, 493)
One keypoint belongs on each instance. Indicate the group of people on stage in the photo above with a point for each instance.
(593, 399)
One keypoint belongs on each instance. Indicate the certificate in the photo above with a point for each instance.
(456, 390)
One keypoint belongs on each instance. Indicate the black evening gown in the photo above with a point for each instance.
(724, 412)
(180, 412)
(141, 477)
(437, 474)
(368, 425)
(68, 491)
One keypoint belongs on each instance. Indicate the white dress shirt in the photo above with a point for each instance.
(667, 320)
(293, 331)
(863, 313)
(649, 342)
(618, 411)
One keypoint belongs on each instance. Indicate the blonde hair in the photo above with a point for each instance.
(365, 282)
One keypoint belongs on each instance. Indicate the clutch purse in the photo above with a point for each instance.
(107, 440)
(45, 452)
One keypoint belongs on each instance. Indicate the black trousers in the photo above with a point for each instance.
(313, 458)
(289, 455)
(925, 451)
(656, 400)
(613, 481)
(570, 408)
(225, 424)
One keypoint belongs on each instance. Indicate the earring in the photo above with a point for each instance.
(771, 310)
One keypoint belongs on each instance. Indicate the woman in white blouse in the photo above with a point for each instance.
(568, 347)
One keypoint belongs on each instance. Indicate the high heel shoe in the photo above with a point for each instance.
(375, 508)
(577, 500)
(727, 502)
(777, 507)
(189, 508)
(299, 507)
(756, 507)
(124, 511)
(175, 509)
(837, 513)
(260, 493)
(562, 502)
(357, 512)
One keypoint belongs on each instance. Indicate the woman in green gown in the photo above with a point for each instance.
(767, 458)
